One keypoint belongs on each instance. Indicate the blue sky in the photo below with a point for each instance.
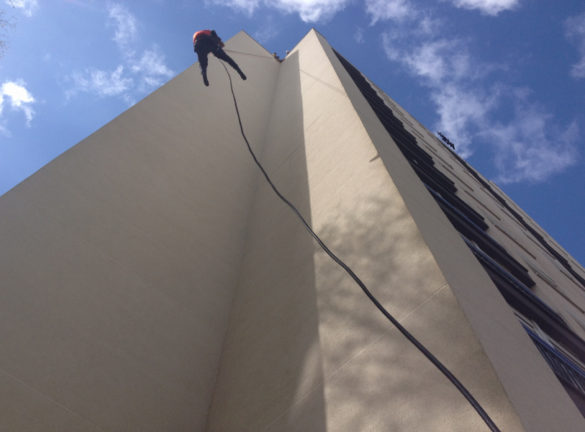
(503, 79)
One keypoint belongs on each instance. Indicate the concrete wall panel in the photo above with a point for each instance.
(120, 258)
(510, 355)
(152, 281)
(313, 353)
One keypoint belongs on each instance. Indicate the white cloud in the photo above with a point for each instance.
(322, 10)
(445, 67)
(488, 7)
(313, 10)
(152, 68)
(248, 6)
(101, 82)
(269, 29)
(433, 59)
(429, 26)
(575, 30)
(308, 10)
(578, 69)
(439, 60)
(462, 113)
(15, 94)
(126, 27)
(381, 10)
(266, 33)
(28, 7)
(134, 75)
(529, 146)
(4, 131)
(358, 36)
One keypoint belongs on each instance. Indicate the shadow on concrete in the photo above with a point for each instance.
(271, 358)
(375, 379)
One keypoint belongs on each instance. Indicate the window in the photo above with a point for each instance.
(570, 373)
(456, 204)
(516, 293)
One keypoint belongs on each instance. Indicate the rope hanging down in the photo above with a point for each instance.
(430, 356)
(269, 57)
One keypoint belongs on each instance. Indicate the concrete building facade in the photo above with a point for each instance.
(152, 281)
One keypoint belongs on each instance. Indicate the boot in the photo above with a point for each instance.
(205, 81)
(242, 75)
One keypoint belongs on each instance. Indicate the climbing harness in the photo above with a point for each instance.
(430, 356)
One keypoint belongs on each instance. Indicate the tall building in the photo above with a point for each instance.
(150, 280)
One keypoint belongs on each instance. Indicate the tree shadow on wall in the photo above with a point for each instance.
(375, 379)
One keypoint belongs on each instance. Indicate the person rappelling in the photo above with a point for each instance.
(207, 41)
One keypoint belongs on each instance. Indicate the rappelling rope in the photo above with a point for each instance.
(269, 57)
(472, 401)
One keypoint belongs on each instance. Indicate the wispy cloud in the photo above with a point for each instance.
(308, 10)
(438, 60)
(468, 99)
(575, 31)
(15, 95)
(134, 75)
(445, 67)
(382, 10)
(531, 147)
(152, 68)
(487, 7)
(125, 24)
(101, 82)
(269, 29)
(312, 10)
(358, 36)
(463, 113)
(246, 6)
(28, 7)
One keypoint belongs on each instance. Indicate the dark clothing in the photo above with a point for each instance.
(204, 47)
(205, 42)
(207, 34)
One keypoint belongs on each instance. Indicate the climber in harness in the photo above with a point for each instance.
(207, 41)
